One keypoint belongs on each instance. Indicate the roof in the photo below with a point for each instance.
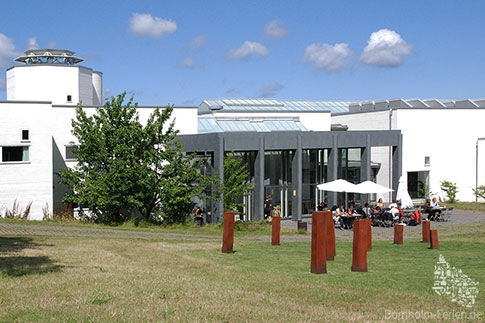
(272, 105)
(211, 124)
(417, 104)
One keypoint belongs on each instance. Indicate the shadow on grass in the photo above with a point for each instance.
(16, 266)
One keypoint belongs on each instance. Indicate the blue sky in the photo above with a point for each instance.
(181, 52)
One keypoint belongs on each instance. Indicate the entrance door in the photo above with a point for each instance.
(279, 196)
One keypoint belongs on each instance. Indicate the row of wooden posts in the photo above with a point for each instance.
(323, 239)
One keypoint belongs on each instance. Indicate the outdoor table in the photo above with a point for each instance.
(349, 220)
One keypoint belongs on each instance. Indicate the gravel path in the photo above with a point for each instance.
(458, 218)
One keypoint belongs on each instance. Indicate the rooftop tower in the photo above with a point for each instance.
(52, 75)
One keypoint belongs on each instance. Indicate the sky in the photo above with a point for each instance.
(182, 52)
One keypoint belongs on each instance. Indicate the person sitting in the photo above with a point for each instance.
(367, 211)
(337, 216)
(351, 211)
(199, 216)
(435, 203)
(380, 203)
(394, 210)
(434, 210)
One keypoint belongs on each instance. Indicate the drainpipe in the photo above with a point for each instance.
(390, 157)
(476, 165)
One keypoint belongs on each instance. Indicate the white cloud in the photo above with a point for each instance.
(144, 24)
(385, 48)
(269, 89)
(198, 42)
(275, 29)
(51, 45)
(248, 50)
(327, 57)
(32, 43)
(189, 62)
(7, 51)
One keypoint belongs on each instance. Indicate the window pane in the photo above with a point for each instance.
(70, 152)
(11, 154)
(25, 135)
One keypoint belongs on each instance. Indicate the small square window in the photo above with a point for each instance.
(25, 135)
(70, 152)
(15, 154)
(426, 160)
(69, 98)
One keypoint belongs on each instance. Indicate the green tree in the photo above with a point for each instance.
(236, 184)
(171, 178)
(450, 189)
(105, 178)
(123, 166)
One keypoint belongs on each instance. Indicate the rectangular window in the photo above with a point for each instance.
(69, 98)
(25, 135)
(70, 152)
(426, 160)
(15, 154)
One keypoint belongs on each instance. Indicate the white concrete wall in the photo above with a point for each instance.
(98, 98)
(447, 136)
(85, 86)
(32, 180)
(44, 83)
(185, 118)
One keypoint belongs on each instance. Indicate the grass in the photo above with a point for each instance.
(51, 278)
(468, 206)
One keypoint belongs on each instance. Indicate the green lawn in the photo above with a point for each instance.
(45, 278)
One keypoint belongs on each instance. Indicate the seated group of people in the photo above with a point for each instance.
(392, 213)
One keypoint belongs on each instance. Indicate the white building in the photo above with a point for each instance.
(443, 140)
(35, 122)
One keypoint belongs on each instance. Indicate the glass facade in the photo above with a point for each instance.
(349, 169)
(277, 179)
(314, 172)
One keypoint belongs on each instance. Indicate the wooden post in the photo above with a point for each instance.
(228, 235)
(434, 240)
(359, 252)
(369, 233)
(318, 258)
(398, 233)
(426, 227)
(276, 228)
(330, 236)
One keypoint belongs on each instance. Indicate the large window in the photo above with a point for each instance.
(15, 154)
(70, 152)
(314, 172)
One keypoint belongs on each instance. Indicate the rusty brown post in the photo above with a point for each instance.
(359, 251)
(228, 235)
(368, 226)
(330, 236)
(398, 233)
(276, 227)
(426, 228)
(318, 258)
(434, 240)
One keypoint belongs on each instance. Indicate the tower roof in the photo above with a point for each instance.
(49, 56)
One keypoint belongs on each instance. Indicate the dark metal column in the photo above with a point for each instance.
(365, 170)
(296, 179)
(259, 182)
(396, 166)
(219, 167)
(332, 170)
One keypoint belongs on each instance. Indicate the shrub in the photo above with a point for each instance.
(450, 189)
(479, 191)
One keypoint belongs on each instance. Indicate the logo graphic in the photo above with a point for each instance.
(452, 283)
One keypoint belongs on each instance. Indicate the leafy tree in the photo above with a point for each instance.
(480, 191)
(123, 166)
(236, 185)
(106, 176)
(450, 189)
(171, 179)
